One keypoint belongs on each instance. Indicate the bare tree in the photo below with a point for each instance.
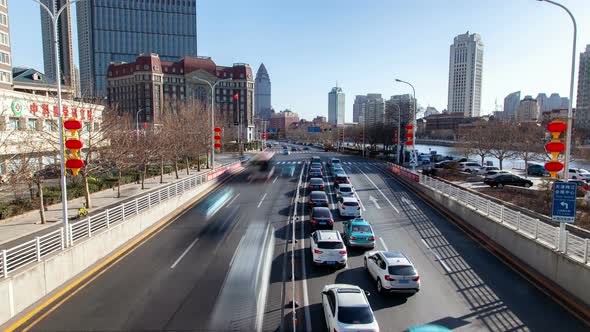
(117, 155)
(477, 141)
(528, 145)
(503, 140)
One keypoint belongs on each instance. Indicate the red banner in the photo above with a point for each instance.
(404, 172)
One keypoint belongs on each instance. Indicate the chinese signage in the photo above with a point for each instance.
(45, 110)
(564, 202)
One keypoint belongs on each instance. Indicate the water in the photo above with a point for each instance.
(507, 163)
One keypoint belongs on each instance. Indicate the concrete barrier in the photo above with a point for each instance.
(23, 288)
(566, 273)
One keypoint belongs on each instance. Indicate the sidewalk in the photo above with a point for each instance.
(26, 226)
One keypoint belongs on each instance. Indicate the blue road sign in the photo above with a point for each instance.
(564, 202)
(271, 130)
(314, 129)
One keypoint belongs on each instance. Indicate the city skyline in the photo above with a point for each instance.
(291, 51)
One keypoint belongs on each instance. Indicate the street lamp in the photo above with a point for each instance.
(137, 123)
(413, 160)
(212, 86)
(64, 193)
(568, 135)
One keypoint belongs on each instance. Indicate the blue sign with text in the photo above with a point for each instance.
(314, 129)
(564, 202)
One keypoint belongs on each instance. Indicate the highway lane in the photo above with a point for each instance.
(463, 285)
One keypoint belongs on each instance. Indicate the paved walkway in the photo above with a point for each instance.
(20, 228)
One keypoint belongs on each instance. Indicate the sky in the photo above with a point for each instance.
(310, 46)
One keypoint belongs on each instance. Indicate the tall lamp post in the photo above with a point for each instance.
(413, 158)
(137, 123)
(568, 135)
(64, 193)
(212, 86)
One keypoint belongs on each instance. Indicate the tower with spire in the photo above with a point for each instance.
(263, 107)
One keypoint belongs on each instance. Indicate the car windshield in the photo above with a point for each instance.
(316, 165)
(316, 181)
(345, 189)
(321, 213)
(402, 270)
(361, 229)
(351, 204)
(330, 245)
(355, 315)
(316, 196)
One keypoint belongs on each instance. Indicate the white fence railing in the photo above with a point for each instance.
(575, 247)
(41, 246)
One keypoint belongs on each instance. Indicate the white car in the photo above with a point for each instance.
(345, 190)
(327, 248)
(349, 207)
(579, 174)
(347, 309)
(485, 170)
(393, 272)
(469, 167)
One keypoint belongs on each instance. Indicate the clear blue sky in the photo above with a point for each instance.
(309, 45)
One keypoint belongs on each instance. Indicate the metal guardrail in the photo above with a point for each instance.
(41, 246)
(576, 247)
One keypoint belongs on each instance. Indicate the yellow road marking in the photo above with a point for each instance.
(113, 258)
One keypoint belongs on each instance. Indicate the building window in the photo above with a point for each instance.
(4, 39)
(5, 77)
(3, 19)
(14, 123)
(50, 126)
(4, 58)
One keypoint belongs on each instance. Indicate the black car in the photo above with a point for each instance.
(306, 148)
(316, 184)
(538, 170)
(316, 159)
(507, 179)
(318, 198)
(316, 173)
(293, 149)
(321, 217)
(340, 179)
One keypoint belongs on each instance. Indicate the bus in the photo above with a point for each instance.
(261, 166)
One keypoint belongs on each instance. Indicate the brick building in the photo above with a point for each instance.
(151, 86)
(281, 121)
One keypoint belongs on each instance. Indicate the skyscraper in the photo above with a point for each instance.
(555, 101)
(5, 52)
(64, 37)
(336, 106)
(465, 75)
(528, 110)
(119, 31)
(369, 109)
(583, 101)
(358, 107)
(511, 103)
(263, 109)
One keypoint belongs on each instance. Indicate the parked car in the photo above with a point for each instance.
(536, 169)
(444, 164)
(346, 308)
(498, 172)
(507, 179)
(579, 174)
(51, 171)
(349, 207)
(359, 233)
(321, 217)
(318, 198)
(327, 248)
(465, 160)
(485, 170)
(316, 184)
(393, 272)
(344, 190)
(469, 166)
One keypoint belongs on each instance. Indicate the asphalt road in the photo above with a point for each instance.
(231, 271)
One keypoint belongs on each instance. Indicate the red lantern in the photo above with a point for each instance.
(72, 124)
(555, 147)
(236, 96)
(409, 143)
(217, 130)
(217, 137)
(554, 166)
(74, 144)
(556, 126)
(218, 145)
(409, 135)
(74, 165)
(409, 127)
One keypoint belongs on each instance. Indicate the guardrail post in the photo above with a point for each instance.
(38, 248)
(122, 211)
(149, 201)
(487, 207)
(557, 238)
(89, 227)
(71, 237)
(567, 233)
(136, 206)
(537, 229)
(586, 251)
(502, 214)
(4, 264)
(518, 221)
(61, 238)
(108, 219)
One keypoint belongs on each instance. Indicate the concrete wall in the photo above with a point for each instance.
(569, 274)
(31, 284)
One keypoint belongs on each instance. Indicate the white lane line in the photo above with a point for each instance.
(233, 199)
(231, 262)
(184, 253)
(382, 194)
(360, 202)
(262, 295)
(262, 200)
(304, 272)
(383, 243)
(405, 200)
(444, 265)
(275, 180)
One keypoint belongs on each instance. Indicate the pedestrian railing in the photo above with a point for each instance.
(41, 246)
(575, 247)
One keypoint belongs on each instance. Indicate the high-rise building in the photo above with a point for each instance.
(64, 37)
(282, 120)
(336, 106)
(152, 85)
(118, 31)
(528, 110)
(465, 75)
(263, 108)
(511, 103)
(360, 102)
(406, 104)
(430, 111)
(553, 102)
(5, 52)
(583, 99)
(375, 110)
(76, 82)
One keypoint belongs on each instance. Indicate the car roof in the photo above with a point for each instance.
(351, 297)
(317, 180)
(396, 258)
(359, 221)
(329, 236)
(345, 185)
(335, 159)
(322, 210)
(316, 193)
(341, 175)
(349, 199)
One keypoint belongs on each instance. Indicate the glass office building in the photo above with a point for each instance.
(119, 30)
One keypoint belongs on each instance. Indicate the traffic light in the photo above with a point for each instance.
(73, 144)
(342, 136)
(395, 133)
(362, 136)
(236, 96)
(410, 135)
(555, 147)
(217, 137)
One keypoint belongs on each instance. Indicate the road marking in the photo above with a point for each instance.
(304, 272)
(410, 204)
(383, 243)
(262, 295)
(275, 180)
(263, 197)
(184, 253)
(374, 200)
(445, 266)
(233, 199)
(382, 194)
